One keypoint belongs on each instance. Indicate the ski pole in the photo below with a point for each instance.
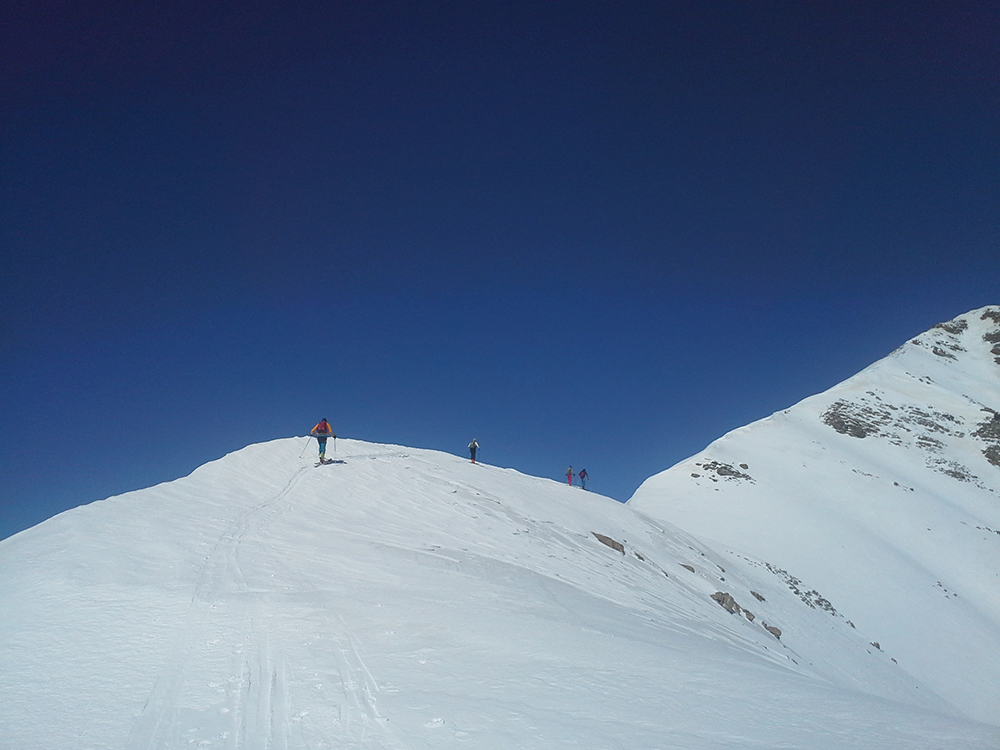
(308, 443)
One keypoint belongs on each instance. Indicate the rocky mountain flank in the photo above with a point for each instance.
(883, 493)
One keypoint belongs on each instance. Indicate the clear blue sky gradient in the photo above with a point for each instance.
(591, 233)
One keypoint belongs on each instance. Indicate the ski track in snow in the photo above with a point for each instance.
(362, 722)
(256, 697)
(256, 709)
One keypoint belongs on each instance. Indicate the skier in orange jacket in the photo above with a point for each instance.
(321, 432)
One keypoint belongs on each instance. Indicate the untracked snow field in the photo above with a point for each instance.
(405, 598)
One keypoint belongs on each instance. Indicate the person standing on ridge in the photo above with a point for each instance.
(569, 476)
(583, 479)
(321, 432)
(473, 447)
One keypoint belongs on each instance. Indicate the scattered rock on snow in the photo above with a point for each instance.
(853, 420)
(813, 598)
(953, 327)
(726, 471)
(606, 540)
(727, 602)
(989, 432)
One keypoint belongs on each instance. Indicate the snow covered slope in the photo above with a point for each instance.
(879, 502)
(404, 598)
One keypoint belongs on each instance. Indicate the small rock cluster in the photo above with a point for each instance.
(811, 597)
(726, 601)
(716, 469)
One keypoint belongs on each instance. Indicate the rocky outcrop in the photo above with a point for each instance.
(729, 604)
(989, 432)
(714, 470)
(608, 541)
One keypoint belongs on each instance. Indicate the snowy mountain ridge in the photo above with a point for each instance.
(883, 493)
(405, 598)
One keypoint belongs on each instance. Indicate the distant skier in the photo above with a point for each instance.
(321, 432)
(569, 476)
(583, 479)
(473, 447)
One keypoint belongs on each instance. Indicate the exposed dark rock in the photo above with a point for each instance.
(727, 602)
(954, 327)
(853, 419)
(952, 469)
(726, 471)
(609, 542)
(863, 418)
(989, 432)
(993, 337)
(812, 598)
(772, 630)
(993, 315)
(989, 429)
(918, 416)
(929, 444)
(758, 596)
(942, 353)
(684, 565)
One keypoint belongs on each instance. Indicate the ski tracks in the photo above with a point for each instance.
(360, 720)
(261, 711)
(338, 695)
(248, 676)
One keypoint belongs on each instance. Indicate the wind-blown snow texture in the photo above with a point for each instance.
(405, 598)
(879, 501)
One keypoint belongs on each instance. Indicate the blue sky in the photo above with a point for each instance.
(588, 234)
